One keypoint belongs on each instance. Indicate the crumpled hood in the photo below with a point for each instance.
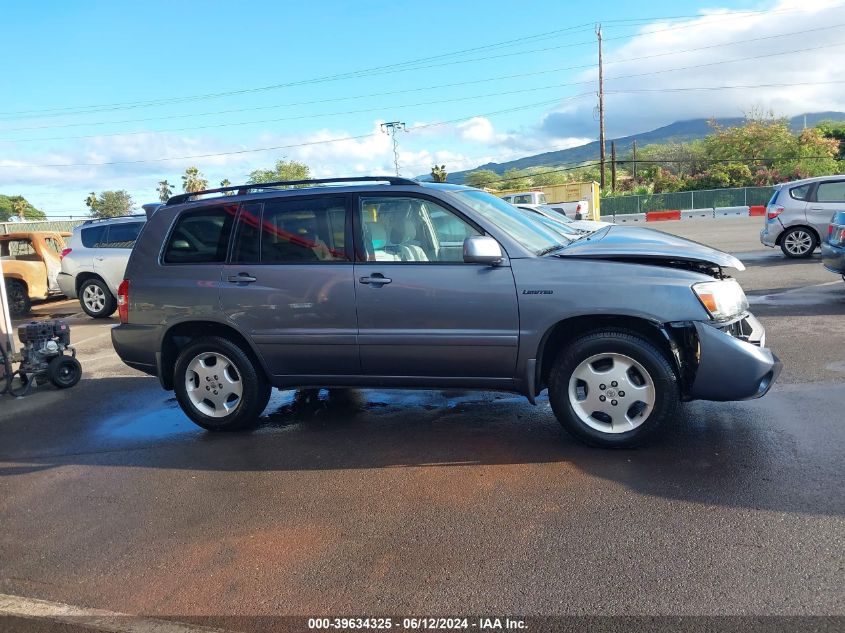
(620, 242)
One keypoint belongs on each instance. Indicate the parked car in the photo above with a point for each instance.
(578, 226)
(94, 262)
(799, 212)
(833, 248)
(576, 209)
(350, 285)
(30, 267)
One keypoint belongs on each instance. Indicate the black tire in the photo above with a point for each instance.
(628, 345)
(254, 388)
(799, 242)
(100, 296)
(19, 302)
(64, 371)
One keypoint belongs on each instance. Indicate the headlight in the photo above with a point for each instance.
(722, 299)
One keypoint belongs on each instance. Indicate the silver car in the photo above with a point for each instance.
(94, 262)
(799, 213)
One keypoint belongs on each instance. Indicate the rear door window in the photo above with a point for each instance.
(201, 236)
(292, 231)
(833, 191)
(121, 235)
(92, 236)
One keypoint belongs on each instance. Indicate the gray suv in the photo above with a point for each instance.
(799, 213)
(94, 262)
(389, 282)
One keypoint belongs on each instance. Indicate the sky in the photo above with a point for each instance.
(120, 95)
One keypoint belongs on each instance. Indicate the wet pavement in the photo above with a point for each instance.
(435, 502)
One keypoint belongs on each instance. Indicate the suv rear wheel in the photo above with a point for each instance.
(218, 386)
(96, 299)
(798, 242)
(613, 389)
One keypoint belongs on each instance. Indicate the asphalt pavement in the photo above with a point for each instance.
(370, 502)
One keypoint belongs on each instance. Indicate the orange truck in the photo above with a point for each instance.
(31, 265)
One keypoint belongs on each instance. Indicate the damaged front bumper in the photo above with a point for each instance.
(733, 363)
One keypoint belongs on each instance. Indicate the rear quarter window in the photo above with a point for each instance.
(201, 236)
(799, 193)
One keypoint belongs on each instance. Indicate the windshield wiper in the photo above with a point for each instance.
(552, 249)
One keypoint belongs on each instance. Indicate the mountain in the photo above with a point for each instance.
(677, 132)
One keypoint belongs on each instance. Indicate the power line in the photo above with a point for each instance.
(584, 66)
(401, 66)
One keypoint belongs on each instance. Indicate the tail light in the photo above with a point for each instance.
(123, 301)
(577, 208)
(65, 251)
(773, 213)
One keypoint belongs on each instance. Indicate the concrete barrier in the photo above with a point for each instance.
(722, 212)
(757, 209)
(697, 213)
(662, 216)
(629, 218)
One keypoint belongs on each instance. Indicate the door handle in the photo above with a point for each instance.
(242, 278)
(377, 279)
(816, 208)
(99, 259)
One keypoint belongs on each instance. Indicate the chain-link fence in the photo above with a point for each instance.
(686, 200)
(57, 226)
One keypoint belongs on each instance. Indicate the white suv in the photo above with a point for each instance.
(94, 262)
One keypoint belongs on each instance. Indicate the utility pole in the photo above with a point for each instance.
(613, 166)
(634, 158)
(391, 127)
(601, 107)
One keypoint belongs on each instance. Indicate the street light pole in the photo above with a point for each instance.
(391, 127)
(601, 107)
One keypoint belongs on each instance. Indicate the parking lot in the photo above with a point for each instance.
(437, 503)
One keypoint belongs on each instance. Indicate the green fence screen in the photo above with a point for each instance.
(686, 200)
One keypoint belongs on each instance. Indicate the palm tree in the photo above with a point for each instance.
(193, 180)
(19, 207)
(164, 191)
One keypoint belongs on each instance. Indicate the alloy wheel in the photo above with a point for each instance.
(94, 298)
(798, 242)
(213, 384)
(612, 393)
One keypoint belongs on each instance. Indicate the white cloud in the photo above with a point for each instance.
(721, 36)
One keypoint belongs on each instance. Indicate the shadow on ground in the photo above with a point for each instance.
(779, 453)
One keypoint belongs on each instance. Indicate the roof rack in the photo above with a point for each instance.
(244, 189)
(117, 217)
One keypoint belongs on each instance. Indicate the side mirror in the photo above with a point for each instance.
(481, 249)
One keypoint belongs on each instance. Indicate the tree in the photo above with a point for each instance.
(482, 178)
(193, 180)
(283, 170)
(19, 207)
(227, 183)
(834, 130)
(438, 173)
(12, 205)
(109, 204)
(165, 190)
(515, 179)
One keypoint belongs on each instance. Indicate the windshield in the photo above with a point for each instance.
(531, 234)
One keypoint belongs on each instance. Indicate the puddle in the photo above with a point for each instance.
(159, 423)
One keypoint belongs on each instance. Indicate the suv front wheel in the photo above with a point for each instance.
(96, 299)
(218, 386)
(613, 389)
